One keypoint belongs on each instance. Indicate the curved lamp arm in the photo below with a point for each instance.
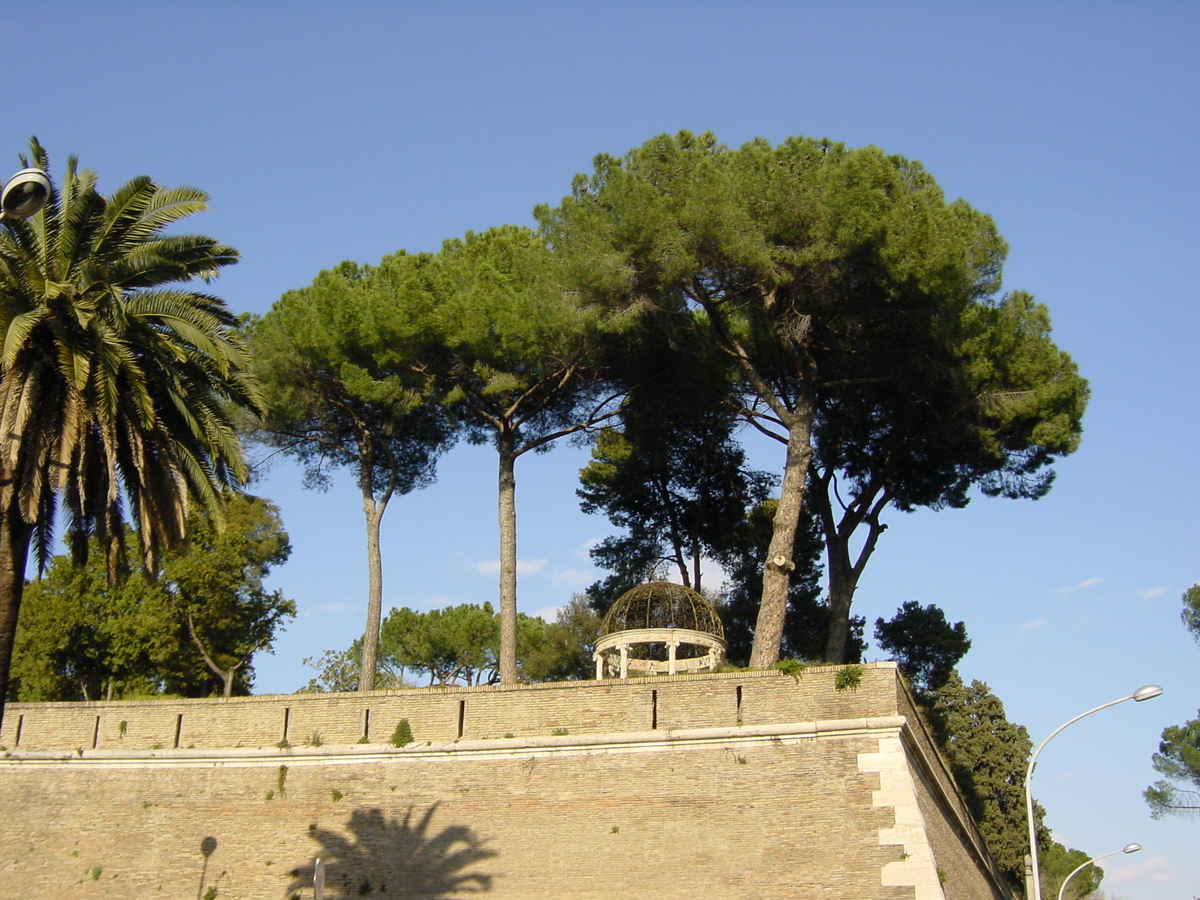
(1128, 848)
(1146, 692)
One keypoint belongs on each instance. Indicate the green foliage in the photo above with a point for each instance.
(993, 412)
(515, 355)
(339, 366)
(848, 678)
(809, 263)
(1056, 863)
(560, 650)
(560, 732)
(1191, 611)
(1178, 756)
(403, 735)
(454, 644)
(923, 643)
(460, 645)
(336, 795)
(281, 780)
(672, 475)
(791, 666)
(988, 755)
(83, 637)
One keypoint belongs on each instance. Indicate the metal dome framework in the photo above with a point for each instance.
(648, 626)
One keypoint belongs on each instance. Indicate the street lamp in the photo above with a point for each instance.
(1128, 848)
(1145, 692)
(24, 194)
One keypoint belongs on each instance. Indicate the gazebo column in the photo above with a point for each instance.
(672, 646)
(599, 658)
(624, 660)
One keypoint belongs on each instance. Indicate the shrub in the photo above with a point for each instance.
(403, 735)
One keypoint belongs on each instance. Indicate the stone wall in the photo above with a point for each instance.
(744, 785)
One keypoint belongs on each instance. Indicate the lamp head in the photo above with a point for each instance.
(1146, 692)
(24, 194)
(1131, 848)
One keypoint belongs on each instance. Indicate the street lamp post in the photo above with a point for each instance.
(1128, 848)
(1146, 692)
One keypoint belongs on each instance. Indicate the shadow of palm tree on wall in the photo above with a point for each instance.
(396, 859)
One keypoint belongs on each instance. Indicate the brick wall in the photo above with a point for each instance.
(743, 785)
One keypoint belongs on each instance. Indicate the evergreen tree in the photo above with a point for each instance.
(516, 357)
(833, 279)
(1178, 756)
(988, 755)
(336, 360)
(925, 645)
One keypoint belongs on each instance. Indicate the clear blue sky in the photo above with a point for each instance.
(342, 131)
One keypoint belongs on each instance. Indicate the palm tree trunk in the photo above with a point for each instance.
(15, 535)
(507, 503)
(778, 566)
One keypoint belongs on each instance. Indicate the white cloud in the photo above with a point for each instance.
(712, 576)
(1086, 583)
(1153, 592)
(1156, 869)
(547, 613)
(524, 566)
(583, 549)
(571, 577)
(1033, 625)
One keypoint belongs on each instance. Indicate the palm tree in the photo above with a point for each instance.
(116, 383)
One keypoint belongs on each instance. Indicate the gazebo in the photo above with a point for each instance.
(648, 626)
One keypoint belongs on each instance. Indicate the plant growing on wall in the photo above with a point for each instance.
(403, 735)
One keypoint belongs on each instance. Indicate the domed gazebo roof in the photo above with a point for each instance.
(647, 627)
(662, 604)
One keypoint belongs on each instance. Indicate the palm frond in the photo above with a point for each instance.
(115, 379)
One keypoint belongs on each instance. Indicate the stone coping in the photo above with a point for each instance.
(424, 749)
(444, 689)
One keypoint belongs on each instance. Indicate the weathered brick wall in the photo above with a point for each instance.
(750, 793)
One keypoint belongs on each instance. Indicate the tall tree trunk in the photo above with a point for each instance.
(507, 502)
(373, 514)
(778, 566)
(843, 571)
(15, 535)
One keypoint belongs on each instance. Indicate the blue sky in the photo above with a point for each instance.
(326, 132)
